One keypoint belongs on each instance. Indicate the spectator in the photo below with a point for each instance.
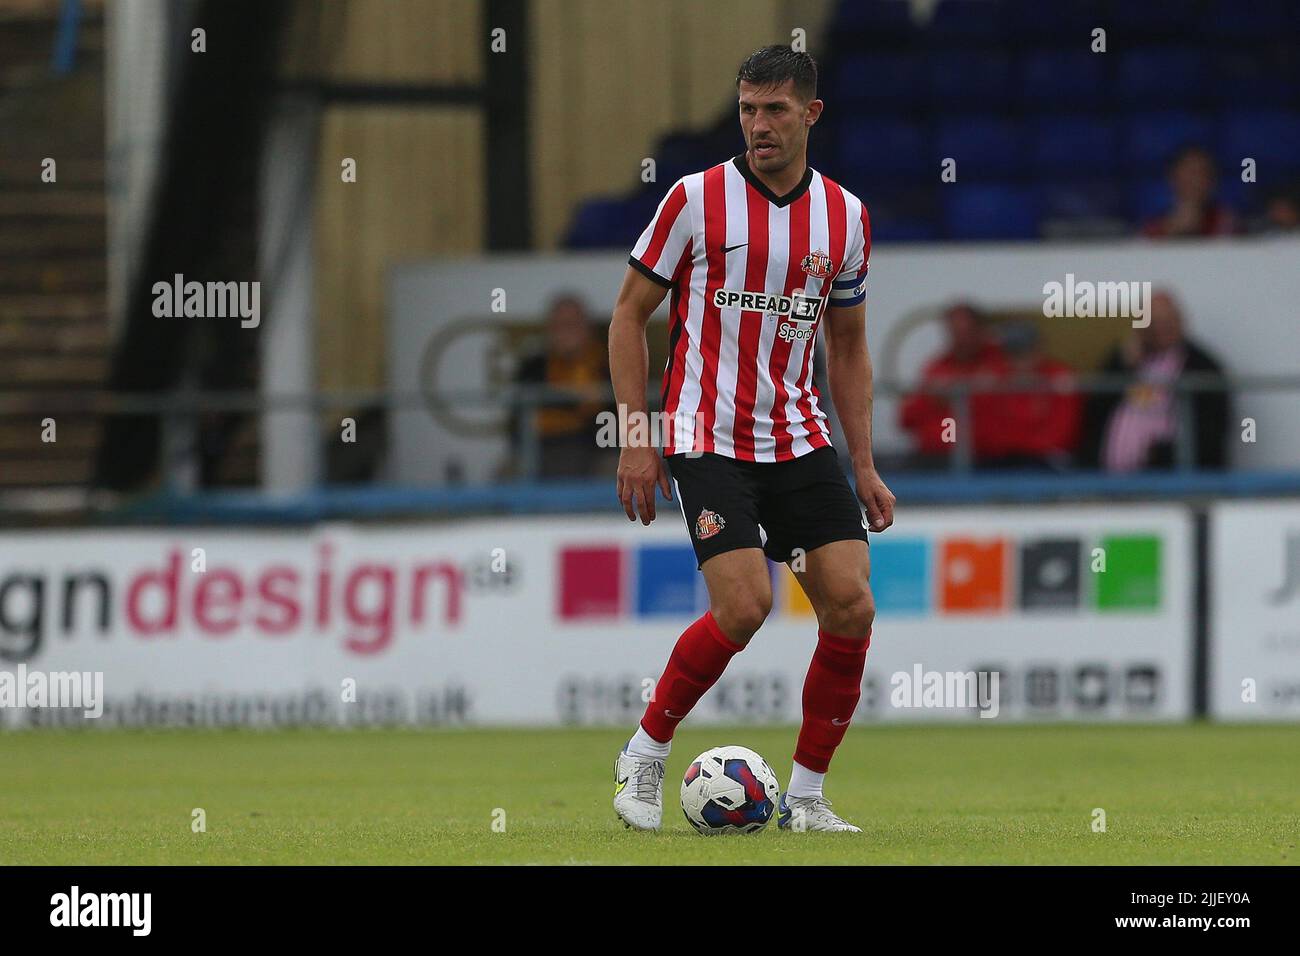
(972, 358)
(1139, 429)
(1282, 211)
(1026, 426)
(574, 370)
(1193, 178)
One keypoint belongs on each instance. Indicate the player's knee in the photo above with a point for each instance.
(743, 612)
(852, 613)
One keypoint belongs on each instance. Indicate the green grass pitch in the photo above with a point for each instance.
(978, 794)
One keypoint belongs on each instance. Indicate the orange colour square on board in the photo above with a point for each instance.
(972, 574)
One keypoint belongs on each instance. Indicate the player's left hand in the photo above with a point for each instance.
(876, 498)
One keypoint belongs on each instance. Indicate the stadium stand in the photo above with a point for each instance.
(910, 94)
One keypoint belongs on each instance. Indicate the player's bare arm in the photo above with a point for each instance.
(640, 468)
(848, 366)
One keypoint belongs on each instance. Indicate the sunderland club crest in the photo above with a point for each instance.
(708, 524)
(817, 264)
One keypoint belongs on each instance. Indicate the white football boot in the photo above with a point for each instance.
(639, 791)
(811, 813)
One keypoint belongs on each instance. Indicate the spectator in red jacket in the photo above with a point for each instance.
(971, 357)
(1024, 425)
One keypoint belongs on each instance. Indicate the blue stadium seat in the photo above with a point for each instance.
(988, 147)
(1129, 20)
(884, 22)
(605, 223)
(1151, 139)
(1068, 23)
(680, 149)
(1248, 196)
(1149, 198)
(1254, 22)
(1271, 137)
(990, 211)
(900, 211)
(1070, 79)
(1081, 199)
(880, 82)
(967, 23)
(885, 146)
(906, 230)
(591, 223)
(1074, 144)
(978, 80)
(1157, 78)
(1261, 76)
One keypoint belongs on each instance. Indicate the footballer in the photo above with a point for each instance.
(758, 253)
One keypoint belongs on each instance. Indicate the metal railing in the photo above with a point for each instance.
(179, 412)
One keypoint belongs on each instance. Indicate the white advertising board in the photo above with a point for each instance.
(1255, 610)
(568, 620)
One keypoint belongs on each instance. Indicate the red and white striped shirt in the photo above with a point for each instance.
(751, 275)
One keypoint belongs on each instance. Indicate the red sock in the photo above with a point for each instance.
(696, 663)
(830, 693)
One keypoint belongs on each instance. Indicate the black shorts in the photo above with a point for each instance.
(801, 503)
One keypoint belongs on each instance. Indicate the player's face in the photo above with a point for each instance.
(776, 123)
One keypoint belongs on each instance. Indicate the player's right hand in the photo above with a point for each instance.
(639, 471)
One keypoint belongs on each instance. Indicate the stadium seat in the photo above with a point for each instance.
(680, 149)
(977, 80)
(1270, 137)
(990, 211)
(989, 147)
(895, 147)
(906, 230)
(1158, 78)
(610, 223)
(1248, 197)
(1255, 22)
(1069, 79)
(1148, 198)
(875, 22)
(1151, 20)
(1151, 139)
(967, 23)
(1081, 199)
(1087, 211)
(880, 82)
(1262, 76)
(1074, 144)
(1065, 22)
(900, 211)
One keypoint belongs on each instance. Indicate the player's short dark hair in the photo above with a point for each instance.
(773, 65)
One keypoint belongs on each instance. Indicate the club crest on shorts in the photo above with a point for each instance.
(708, 524)
(817, 264)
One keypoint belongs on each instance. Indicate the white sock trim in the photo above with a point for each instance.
(805, 782)
(643, 745)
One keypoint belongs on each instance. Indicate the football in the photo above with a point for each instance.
(729, 790)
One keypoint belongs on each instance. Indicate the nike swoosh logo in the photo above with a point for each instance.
(726, 249)
(839, 723)
(669, 713)
(619, 785)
